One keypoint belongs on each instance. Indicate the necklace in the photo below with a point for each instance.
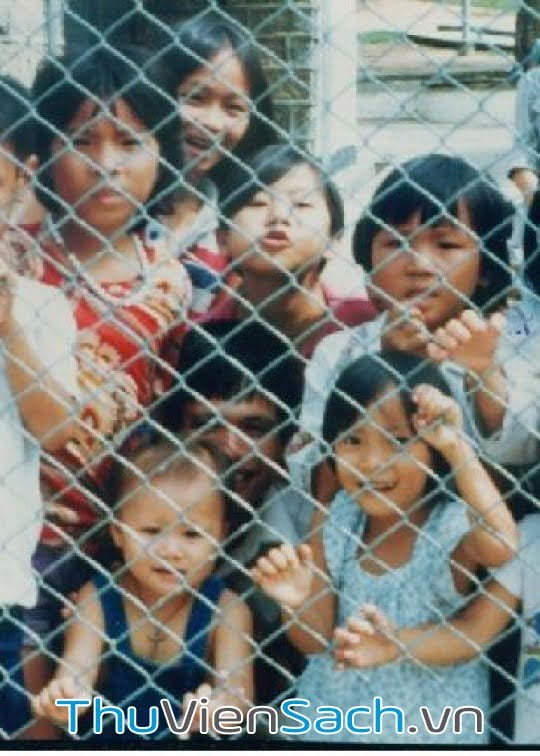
(99, 292)
(158, 635)
(156, 638)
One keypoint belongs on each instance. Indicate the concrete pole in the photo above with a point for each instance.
(54, 14)
(467, 45)
(337, 67)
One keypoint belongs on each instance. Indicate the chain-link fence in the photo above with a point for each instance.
(268, 420)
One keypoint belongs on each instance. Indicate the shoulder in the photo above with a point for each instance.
(343, 509)
(448, 521)
(364, 337)
(350, 310)
(329, 348)
(287, 511)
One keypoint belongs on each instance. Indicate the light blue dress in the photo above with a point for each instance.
(421, 590)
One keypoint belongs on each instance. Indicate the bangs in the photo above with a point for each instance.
(371, 376)
(441, 188)
(404, 198)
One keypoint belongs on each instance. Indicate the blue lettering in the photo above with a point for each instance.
(304, 722)
(72, 704)
(100, 711)
(350, 723)
(148, 729)
(331, 724)
(380, 710)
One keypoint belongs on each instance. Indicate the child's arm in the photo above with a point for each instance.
(472, 342)
(493, 537)
(296, 578)
(77, 671)
(231, 659)
(369, 641)
(46, 407)
(233, 651)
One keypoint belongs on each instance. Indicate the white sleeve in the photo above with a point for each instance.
(287, 515)
(512, 575)
(304, 451)
(318, 380)
(518, 440)
(525, 138)
(46, 315)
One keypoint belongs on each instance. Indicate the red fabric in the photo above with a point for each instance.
(345, 311)
(117, 375)
(215, 261)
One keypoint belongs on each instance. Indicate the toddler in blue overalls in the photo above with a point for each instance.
(164, 626)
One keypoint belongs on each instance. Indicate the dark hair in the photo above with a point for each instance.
(16, 121)
(363, 381)
(188, 459)
(434, 186)
(531, 245)
(229, 360)
(269, 165)
(102, 75)
(199, 40)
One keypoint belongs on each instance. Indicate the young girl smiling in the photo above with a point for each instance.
(226, 112)
(396, 535)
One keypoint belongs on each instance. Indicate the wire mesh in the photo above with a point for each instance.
(215, 350)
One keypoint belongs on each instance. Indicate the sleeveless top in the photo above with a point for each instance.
(131, 680)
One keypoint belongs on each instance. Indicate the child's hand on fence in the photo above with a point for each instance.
(7, 284)
(367, 640)
(285, 574)
(469, 340)
(405, 330)
(43, 704)
(214, 699)
(437, 419)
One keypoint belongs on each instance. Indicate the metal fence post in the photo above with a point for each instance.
(467, 45)
(336, 109)
(54, 13)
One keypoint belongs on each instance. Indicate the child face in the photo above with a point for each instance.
(167, 532)
(285, 227)
(379, 461)
(110, 169)
(442, 259)
(245, 431)
(214, 111)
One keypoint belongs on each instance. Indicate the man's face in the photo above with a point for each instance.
(246, 431)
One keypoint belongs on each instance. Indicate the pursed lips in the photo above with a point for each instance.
(275, 239)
